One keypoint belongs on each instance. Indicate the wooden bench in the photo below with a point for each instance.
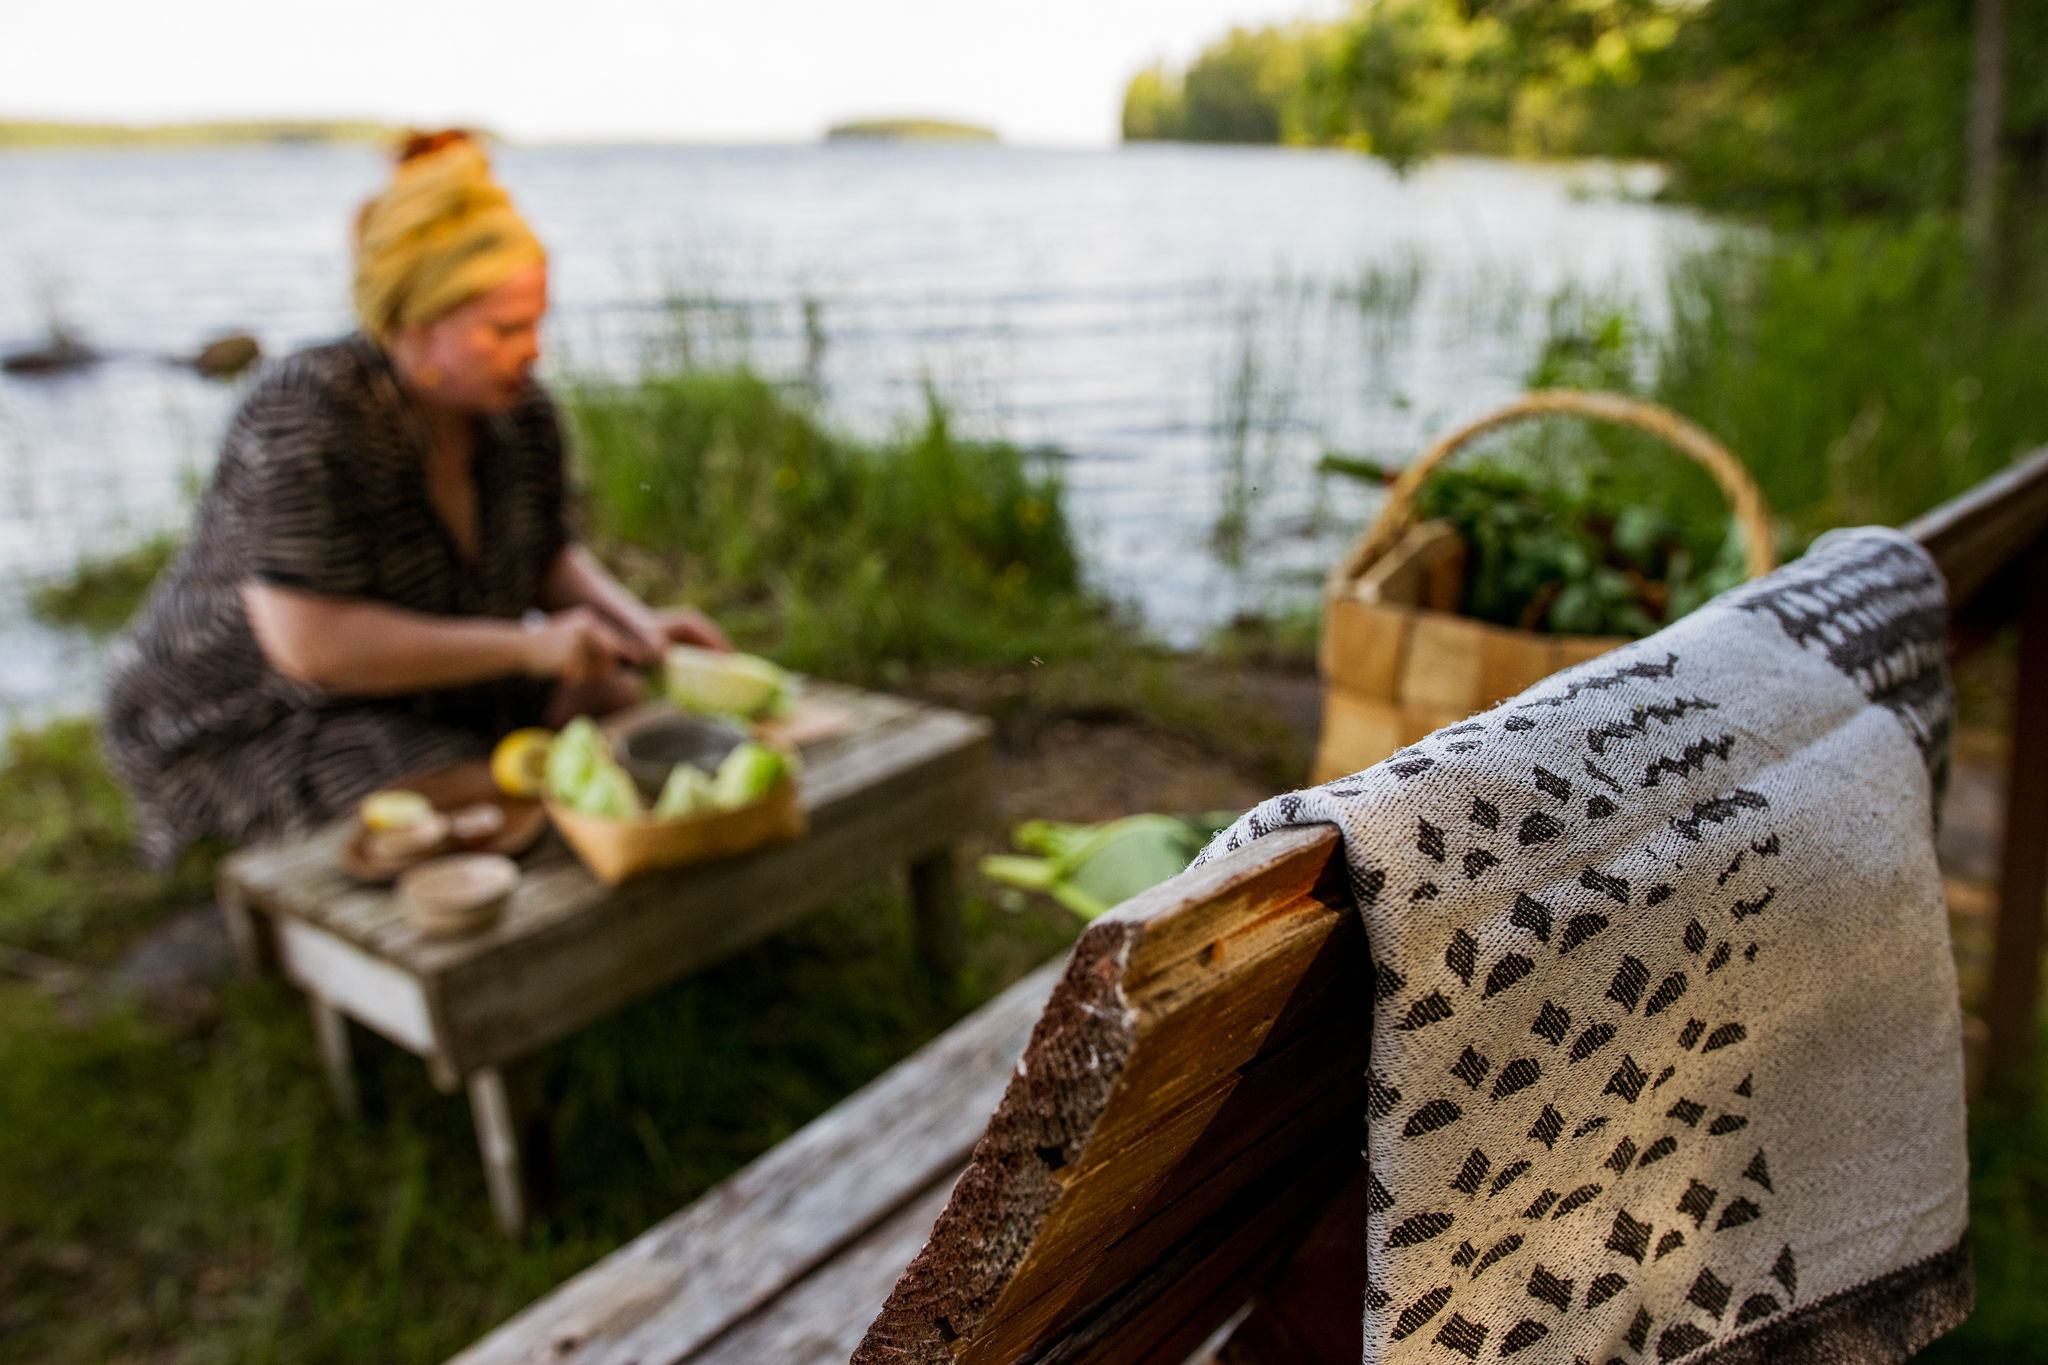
(900, 788)
(1173, 1171)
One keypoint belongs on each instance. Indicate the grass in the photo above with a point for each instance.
(837, 557)
(179, 1190)
(70, 886)
(1863, 373)
(2008, 1238)
(100, 595)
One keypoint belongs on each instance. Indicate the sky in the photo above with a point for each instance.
(1039, 71)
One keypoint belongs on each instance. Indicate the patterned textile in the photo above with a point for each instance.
(320, 488)
(1666, 1058)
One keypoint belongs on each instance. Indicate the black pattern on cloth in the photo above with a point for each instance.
(1682, 1069)
(320, 487)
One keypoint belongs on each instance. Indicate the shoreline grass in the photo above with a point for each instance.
(100, 595)
(848, 559)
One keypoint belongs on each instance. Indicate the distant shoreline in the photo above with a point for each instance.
(30, 133)
(48, 134)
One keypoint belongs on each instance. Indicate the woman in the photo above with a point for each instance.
(381, 577)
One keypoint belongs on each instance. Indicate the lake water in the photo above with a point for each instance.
(1189, 327)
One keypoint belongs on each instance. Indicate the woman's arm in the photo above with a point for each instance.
(576, 578)
(360, 648)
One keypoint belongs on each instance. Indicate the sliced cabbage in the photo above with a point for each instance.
(687, 791)
(610, 795)
(583, 776)
(747, 774)
(711, 682)
(575, 755)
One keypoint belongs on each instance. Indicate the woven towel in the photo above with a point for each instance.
(1666, 1057)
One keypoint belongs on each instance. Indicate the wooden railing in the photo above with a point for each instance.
(1992, 546)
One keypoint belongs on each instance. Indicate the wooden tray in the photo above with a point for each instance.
(451, 788)
(614, 850)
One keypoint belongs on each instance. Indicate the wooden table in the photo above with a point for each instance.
(900, 788)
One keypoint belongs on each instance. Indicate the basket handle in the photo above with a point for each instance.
(1746, 500)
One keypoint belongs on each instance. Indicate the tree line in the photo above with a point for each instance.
(1814, 110)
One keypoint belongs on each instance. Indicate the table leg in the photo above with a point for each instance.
(935, 901)
(330, 1027)
(497, 1137)
(252, 952)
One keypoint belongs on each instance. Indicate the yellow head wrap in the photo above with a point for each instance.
(443, 232)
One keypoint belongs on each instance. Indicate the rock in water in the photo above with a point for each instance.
(62, 354)
(225, 357)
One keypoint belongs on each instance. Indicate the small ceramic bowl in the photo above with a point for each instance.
(459, 894)
(649, 751)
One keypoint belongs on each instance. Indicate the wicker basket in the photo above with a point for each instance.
(1396, 659)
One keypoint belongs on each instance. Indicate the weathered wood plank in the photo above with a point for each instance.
(1979, 532)
(693, 1276)
(819, 1320)
(1168, 1005)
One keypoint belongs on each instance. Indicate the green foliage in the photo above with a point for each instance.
(184, 1191)
(1828, 107)
(2008, 1239)
(100, 595)
(1799, 111)
(189, 1194)
(1575, 528)
(1153, 110)
(1567, 551)
(1863, 372)
(834, 556)
(1252, 85)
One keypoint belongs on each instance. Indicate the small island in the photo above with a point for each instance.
(908, 130)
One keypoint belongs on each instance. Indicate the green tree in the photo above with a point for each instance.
(1253, 85)
(1234, 91)
(1153, 107)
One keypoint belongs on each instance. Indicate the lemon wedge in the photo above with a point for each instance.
(519, 764)
(395, 810)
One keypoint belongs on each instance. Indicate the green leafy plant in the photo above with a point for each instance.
(1572, 555)
(1566, 547)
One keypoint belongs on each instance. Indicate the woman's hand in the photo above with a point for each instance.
(576, 579)
(576, 645)
(688, 626)
(654, 631)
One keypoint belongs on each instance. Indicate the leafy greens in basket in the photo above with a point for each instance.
(1572, 553)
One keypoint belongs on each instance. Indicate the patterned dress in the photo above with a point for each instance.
(321, 488)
